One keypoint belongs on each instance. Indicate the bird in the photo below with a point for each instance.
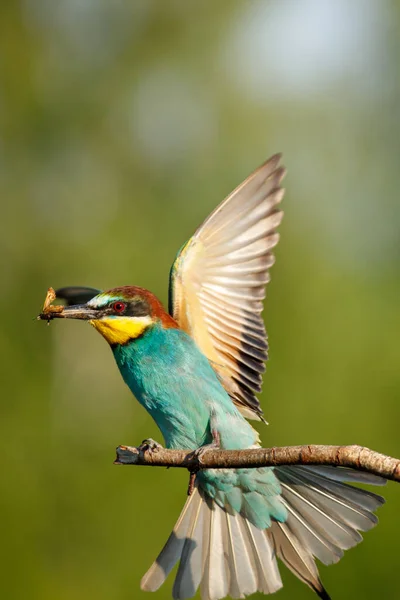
(197, 369)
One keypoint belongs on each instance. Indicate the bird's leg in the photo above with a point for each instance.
(216, 439)
(149, 445)
(192, 479)
(214, 445)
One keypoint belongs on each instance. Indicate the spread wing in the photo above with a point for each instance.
(218, 280)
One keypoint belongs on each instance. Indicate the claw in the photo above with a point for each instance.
(214, 445)
(200, 452)
(150, 445)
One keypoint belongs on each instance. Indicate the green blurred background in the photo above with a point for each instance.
(123, 124)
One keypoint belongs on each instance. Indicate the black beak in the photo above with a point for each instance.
(77, 311)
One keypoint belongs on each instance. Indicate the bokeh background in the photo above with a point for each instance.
(123, 124)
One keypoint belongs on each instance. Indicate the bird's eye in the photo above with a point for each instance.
(119, 307)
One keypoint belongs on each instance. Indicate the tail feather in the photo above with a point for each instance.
(172, 550)
(325, 515)
(343, 474)
(190, 569)
(269, 579)
(339, 501)
(298, 559)
(331, 527)
(313, 536)
(219, 550)
(334, 483)
(205, 551)
(242, 578)
(215, 581)
(224, 552)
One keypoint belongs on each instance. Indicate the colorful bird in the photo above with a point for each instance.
(196, 370)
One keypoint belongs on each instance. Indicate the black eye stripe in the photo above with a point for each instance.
(137, 308)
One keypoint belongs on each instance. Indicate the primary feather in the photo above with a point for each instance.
(218, 280)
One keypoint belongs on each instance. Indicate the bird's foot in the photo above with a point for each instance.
(214, 445)
(198, 454)
(149, 445)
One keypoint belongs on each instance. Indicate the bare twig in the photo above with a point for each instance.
(356, 457)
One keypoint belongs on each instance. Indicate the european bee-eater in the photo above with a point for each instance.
(196, 370)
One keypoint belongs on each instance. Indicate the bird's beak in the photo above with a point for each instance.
(76, 311)
(79, 311)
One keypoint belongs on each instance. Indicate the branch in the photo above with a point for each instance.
(356, 457)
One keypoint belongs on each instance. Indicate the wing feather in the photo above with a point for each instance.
(218, 280)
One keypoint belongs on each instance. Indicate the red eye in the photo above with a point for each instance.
(119, 307)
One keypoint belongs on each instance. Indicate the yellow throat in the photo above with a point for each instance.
(119, 330)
